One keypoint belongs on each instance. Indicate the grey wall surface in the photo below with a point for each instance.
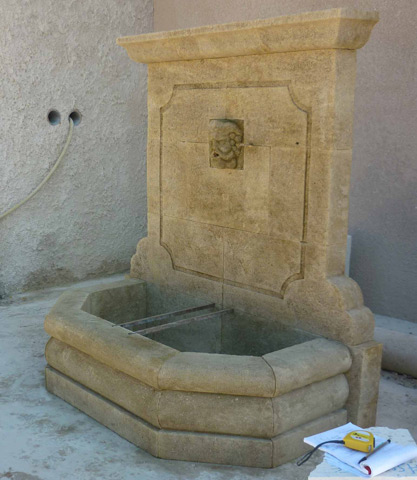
(88, 218)
(383, 207)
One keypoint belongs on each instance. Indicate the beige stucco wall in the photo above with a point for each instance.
(89, 216)
(383, 207)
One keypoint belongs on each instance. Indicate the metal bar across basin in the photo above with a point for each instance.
(178, 323)
(163, 316)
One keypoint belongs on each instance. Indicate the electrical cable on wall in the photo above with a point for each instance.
(64, 151)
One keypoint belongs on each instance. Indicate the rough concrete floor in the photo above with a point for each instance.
(42, 437)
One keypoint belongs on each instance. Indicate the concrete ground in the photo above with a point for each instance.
(42, 437)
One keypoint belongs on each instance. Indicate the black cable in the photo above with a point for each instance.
(307, 456)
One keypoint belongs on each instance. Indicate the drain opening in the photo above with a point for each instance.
(75, 117)
(54, 117)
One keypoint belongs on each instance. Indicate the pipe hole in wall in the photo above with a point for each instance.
(75, 117)
(54, 117)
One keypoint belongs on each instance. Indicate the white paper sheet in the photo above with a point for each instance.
(388, 457)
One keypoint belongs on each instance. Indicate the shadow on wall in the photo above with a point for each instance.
(55, 275)
(371, 268)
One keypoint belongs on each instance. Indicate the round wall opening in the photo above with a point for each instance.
(54, 117)
(75, 116)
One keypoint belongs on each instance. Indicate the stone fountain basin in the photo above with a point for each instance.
(238, 390)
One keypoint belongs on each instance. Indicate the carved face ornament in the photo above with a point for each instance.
(225, 143)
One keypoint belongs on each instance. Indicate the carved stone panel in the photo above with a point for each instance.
(233, 170)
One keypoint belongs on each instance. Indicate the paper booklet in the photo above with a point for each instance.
(388, 457)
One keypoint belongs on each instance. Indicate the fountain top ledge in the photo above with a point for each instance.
(340, 28)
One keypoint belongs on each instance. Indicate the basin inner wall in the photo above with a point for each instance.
(238, 333)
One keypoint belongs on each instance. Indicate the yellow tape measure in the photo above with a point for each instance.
(361, 440)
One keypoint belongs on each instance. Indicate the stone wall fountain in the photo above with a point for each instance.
(238, 333)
